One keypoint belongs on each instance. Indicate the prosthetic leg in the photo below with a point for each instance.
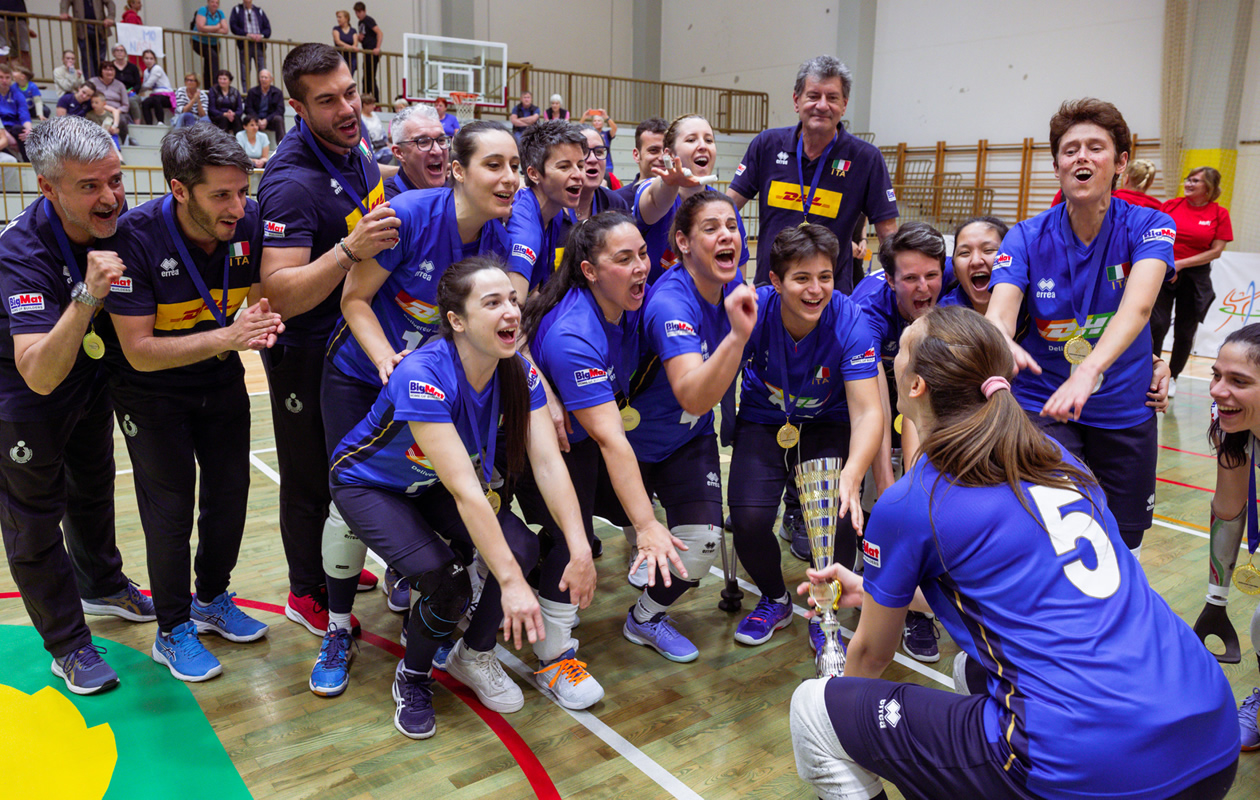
(1225, 537)
(731, 593)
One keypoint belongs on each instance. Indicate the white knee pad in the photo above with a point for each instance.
(820, 759)
(343, 553)
(1255, 629)
(702, 543)
(558, 619)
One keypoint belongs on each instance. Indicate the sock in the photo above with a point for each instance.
(786, 599)
(632, 536)
(341, 593)
(558, 619)
(1137, 551)
(200, 603)
(646, 608)
(341, 621)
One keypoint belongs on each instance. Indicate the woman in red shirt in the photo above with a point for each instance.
(1137, 179)
(1203, 228)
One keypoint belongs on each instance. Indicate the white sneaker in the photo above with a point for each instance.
(1172, 388)
(483, 673)
(567, 681)
(639, 578)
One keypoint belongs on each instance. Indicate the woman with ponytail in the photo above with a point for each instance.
(414, 479)
(1075, 680)
(582, 331)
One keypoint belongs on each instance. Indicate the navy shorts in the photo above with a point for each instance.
(759, 466)
(344, 401)
(1123, 460)
(688, 482)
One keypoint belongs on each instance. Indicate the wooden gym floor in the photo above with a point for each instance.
(716, 728)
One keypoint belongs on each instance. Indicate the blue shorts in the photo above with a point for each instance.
(344, 402)
(688, 482)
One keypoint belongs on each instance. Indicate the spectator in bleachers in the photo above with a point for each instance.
(18, 33)
(250, 21)
(107, 118)
(266, 102)
(68, 76)
(556, 109)
(606, 127)
(450, 123)
(524, 114)
(131, 16)
(209, 19)
(226, 105)
(256, 144)
(115, 94)
(370, 36)
(25, 81)
(155, 90)
(377, 132)
(192, 103)
(346, 40)
(422, 149)
(648, 152)
(129, 75)
(91, 36)
(400, 103)
(13, 113)
(76, 103)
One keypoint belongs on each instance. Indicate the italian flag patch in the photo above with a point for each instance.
(840, 165)
(363, 148)
(240, 249)
(1118, 272)
(822, 374)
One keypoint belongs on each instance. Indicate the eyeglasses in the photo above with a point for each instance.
(598, 152)
(427, 142)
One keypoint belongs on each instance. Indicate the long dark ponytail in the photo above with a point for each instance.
(453, 291)
(1231, 448)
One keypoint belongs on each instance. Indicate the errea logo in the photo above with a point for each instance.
(336, 187)
(781, 158)
(1045, 289)
(889, 713)
(714, 480)
(170, 267)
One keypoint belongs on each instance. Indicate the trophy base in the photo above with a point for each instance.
(829, 662)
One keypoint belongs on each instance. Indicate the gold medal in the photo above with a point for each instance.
(93, 344)
(1247, 578)
(788, 436)
(630, 418)
(897, 423)
(1077, 349)
(222, 356)
(495, 501)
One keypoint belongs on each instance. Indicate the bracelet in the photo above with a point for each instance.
(350, 253)
(337, 258)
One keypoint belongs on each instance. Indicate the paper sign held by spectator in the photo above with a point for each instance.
(138, 38)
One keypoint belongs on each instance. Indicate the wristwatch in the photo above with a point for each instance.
(80, 294)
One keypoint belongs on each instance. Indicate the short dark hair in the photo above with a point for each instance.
(912, 237)
(686, 216)
(1090, 109)
(539, 139)
(796, 243)
(824, 68)
(223, 72)
(359, 6)
(464, 143)
(992, 223)
(5, 68)
(186, 152)
(649, 125)
(104, 65)
(149, 53)
(311, 58)
(367, 97)
(248, 118)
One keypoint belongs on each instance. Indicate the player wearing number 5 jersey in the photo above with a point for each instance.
(1077, 679)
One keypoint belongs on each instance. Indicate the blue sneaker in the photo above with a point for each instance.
(224, 618)
(1247, 723)
(919, 637)
(768, 617)
(331, 674)
(659, 634)
(397, 591)
(444, 650)
(128, 604)
(85, 672)
(182, 652)
(413, 694)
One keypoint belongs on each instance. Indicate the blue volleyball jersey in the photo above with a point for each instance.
(304, 206)
(878, 302)
(840, 348)
(425, 387)
(958, 297)
(854, 181)
(1095, 684)
(406, 305)
(588, 360)
(534, 245)
(1035, 259)
(676, 320)
(604, 199)
(660, 248)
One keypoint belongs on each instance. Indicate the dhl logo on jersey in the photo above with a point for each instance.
(416, 455)
(788, 195)
(802, 403)
(1060, 330)
(417, 309)
(374, 199)
(182, 316)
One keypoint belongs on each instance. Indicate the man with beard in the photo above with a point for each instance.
(323, 207)
(56, 424)
(180, 391)
(422, 148)
(648, 152)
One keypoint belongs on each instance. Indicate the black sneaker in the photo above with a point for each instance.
(920, 637)
(793, 530)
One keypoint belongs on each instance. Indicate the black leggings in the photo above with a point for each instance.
(155, 106)
(1192, 296)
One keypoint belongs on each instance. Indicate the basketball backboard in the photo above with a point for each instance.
(436, 66)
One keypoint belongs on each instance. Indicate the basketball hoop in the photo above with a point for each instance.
(464, 103)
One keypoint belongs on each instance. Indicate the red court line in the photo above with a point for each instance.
(1187, 452)
(538, 778)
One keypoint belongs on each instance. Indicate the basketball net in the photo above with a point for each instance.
(464, 103)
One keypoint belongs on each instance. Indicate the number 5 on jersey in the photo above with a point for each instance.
(1100, 582)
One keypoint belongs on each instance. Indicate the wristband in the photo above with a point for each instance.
(337, 258)
(349, 253)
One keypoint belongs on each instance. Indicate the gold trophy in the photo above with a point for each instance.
(818, 483)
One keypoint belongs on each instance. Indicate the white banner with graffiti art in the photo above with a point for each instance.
(1236, 279)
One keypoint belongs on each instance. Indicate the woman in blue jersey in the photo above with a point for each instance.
(1090, 270)
(696, 322)
(1084, 683)
(389, 304)
(692, 155)
(582, 331)
(809, 391)
(415, 476)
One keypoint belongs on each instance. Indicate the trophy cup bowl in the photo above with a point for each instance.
(818, 484)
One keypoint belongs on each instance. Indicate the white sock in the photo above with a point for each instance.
(786, 599)
(558, 619)
(341, 621)
(647, 608)
(1136, 551)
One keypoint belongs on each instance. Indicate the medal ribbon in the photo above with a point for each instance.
(776, 325)
(620, 382)
(1089, 267)
(63, 243)
(808, 199)
(220, 314)
(332, 171)
(466, 393)
(1253, 527)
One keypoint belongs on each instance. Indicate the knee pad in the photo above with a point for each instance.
(1225, 537)
(702, 543)
(1255, 630)
(444, 593)
(821, 760)
(342, 551)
